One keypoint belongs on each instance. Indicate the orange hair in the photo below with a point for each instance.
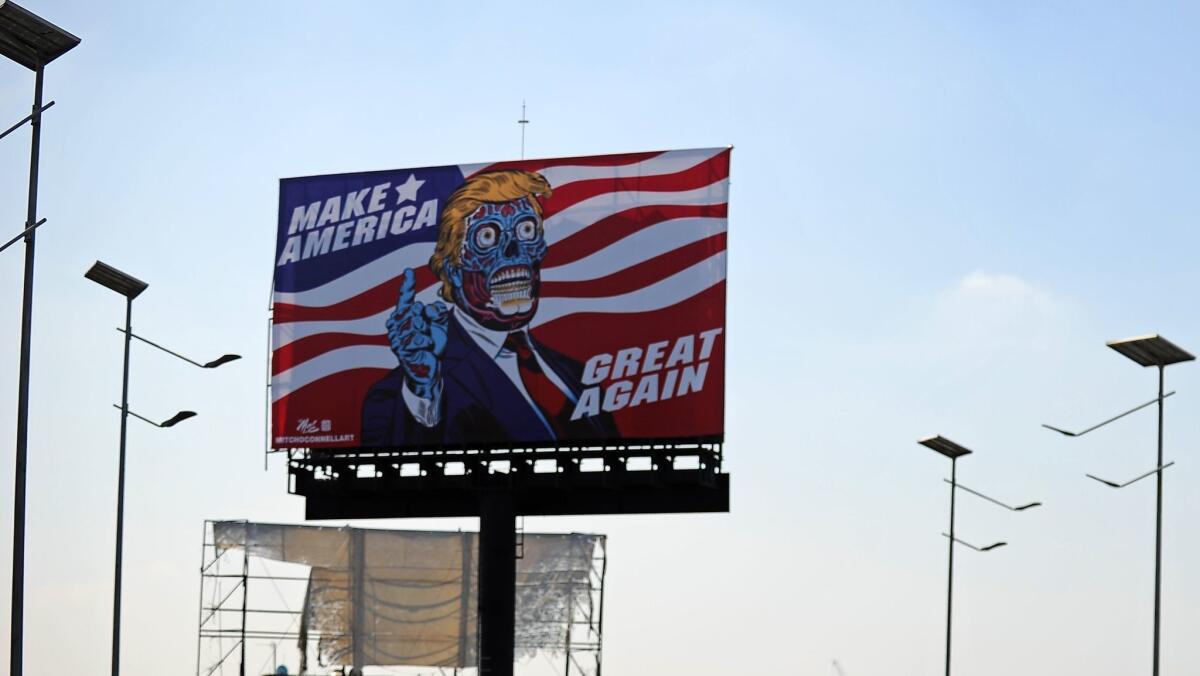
(493, 186)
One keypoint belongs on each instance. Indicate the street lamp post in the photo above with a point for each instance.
(130, 287)
(955, 451)
(32, 42)
(1152, 350)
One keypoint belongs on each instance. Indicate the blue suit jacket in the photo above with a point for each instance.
(480, 405)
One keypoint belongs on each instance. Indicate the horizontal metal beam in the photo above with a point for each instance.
(21, 234)
(1115, 418)
(1134, 480)
(23, 120)
(540, 494)
(681, 446)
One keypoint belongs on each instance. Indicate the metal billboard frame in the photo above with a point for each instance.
(659, 476)
(501, 484)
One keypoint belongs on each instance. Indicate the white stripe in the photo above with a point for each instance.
(582, 214)
(468, 169)
(566, 173)
(285, 333)
(558, 227)
(360, 279)
(334, 361)
(674, 289)
(639, 247)
(596, 265)
(667, 163)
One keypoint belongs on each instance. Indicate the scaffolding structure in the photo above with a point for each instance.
(321, 600)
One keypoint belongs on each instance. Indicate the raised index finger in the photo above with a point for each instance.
(408, 291)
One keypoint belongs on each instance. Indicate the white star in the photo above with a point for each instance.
(408, 190)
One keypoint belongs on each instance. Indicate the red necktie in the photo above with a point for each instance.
(543, 391)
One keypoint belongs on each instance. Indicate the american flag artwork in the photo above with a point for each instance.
(535, 302)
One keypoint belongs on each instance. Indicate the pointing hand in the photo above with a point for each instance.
(417, 335)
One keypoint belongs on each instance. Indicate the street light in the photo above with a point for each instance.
(169, 422)
(1019, 508)
(988, 548)
(1098, 425)
(1152, 350)
(32, 42)
(130, 287)
(955, 451)
(1134, 480)
(223, 359)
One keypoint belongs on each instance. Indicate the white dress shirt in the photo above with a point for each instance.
(428, 412)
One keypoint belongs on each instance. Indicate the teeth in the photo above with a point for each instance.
(510, 275)
(511, 290)
(511, 287)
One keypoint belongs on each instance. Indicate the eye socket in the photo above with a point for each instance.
(486, 235)
(526, 230)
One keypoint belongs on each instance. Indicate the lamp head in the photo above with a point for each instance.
(944, 446)
(30, 40)
(177, 418)
(1152, 350)
(107, 276)
(223, 359)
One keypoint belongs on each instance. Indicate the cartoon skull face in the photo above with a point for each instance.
(498, 279)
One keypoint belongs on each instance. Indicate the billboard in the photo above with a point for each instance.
(533, 302)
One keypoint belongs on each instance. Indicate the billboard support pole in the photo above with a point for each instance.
(497, 583)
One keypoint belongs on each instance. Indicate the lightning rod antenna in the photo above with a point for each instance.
(523, 121)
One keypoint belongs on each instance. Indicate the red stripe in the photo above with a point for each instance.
(579, 245)
(585, 161)
(621, 225)
(706, 173)
(379, 297)
(638, 276)
(365, 304)
(624, 281)
(583, 243)
(310, 347)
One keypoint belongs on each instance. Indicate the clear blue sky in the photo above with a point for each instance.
(939, 213)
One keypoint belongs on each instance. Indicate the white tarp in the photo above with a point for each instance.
(391, 598)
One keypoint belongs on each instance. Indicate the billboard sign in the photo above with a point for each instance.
(533, 302)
